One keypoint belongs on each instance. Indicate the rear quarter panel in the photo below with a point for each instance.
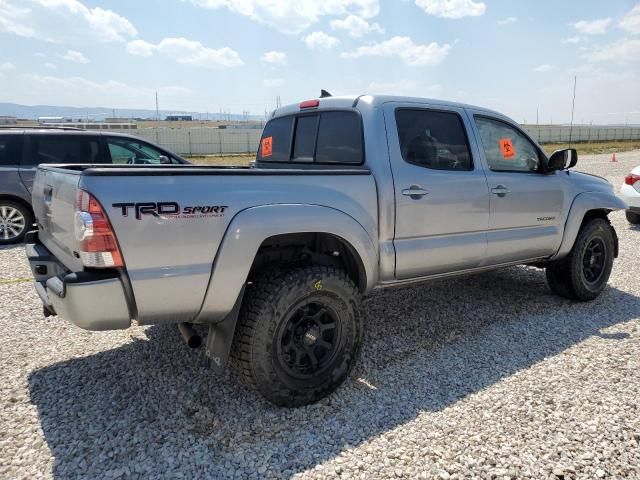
(169, 259)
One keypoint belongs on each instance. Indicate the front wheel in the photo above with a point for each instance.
(632, 217)
(299, 334)
(583, 274)
(15, 221)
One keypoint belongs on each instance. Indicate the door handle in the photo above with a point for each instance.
(500, 190)
(416, 192)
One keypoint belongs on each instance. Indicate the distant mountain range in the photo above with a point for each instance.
(32, 112)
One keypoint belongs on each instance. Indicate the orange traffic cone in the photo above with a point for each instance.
(613, 157)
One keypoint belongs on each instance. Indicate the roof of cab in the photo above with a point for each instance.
(38, 130)
(350, 101)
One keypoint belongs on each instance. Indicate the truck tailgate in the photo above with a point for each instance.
(54, 198)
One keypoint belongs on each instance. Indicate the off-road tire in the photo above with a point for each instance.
(269, 306)
(632, 217)
(26, 215)
(567, 277)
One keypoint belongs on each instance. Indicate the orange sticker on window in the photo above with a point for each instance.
(506, 147)
(267, 146)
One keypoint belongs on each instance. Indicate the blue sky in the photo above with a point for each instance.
(515, 56)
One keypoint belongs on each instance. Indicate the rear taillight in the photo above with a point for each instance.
(98, 247)
(631, 179)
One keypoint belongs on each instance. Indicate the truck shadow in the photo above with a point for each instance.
(154, 404)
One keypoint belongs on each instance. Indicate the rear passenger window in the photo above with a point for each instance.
(10, 150)
(305, 138)
(64, 148)
(329, 137)
(276, 140)
(433, 139)
(339, 138)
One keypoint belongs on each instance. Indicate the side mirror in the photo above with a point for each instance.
(164, 160)
(562, 159)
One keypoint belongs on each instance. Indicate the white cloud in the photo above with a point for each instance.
(404, 48)
(194, 53)
(507, 21)
(63, 21)
(274, 58)
(7, 67)
(320, 40)
(80, 91)
(625, 50)
(74, 56)
(544, 68)
(631, 21)
(593, 27)
(452, 8)
(293, 17)
(189, 52)
(273, 82)
(50, 66)
(573, 40)
(39, 54)
(140, 48)
(355, 26)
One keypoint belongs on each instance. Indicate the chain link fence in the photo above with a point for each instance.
(203, 141)
(580, 133)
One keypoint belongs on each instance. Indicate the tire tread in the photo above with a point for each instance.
(259, 298)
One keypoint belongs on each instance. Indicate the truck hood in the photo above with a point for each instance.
(586, 182)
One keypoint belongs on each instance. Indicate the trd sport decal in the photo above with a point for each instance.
(170, 210)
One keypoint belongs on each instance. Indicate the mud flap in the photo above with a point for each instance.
(220, 338)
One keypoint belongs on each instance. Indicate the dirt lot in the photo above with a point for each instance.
(590, 148)
(489, 376)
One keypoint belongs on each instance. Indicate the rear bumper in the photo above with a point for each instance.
(631, 196)
(90, 300)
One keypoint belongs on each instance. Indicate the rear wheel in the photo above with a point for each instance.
(299, 333)
(584, 273)
(15, 221)
(633, 217)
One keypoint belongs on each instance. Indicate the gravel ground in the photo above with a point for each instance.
(489, 376)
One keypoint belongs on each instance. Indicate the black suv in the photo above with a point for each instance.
(23, 149)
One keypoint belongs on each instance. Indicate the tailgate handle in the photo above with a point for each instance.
(48, 195)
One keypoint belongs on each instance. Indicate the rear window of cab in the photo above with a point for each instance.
(327, 137)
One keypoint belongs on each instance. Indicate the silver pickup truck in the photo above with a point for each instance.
(347, 194)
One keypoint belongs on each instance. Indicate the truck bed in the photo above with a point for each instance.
(169, 259)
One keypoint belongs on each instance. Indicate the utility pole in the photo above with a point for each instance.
(573, 106)
(537, 122)
(157, 110)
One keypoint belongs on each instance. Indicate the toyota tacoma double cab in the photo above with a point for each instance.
(347, 194)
